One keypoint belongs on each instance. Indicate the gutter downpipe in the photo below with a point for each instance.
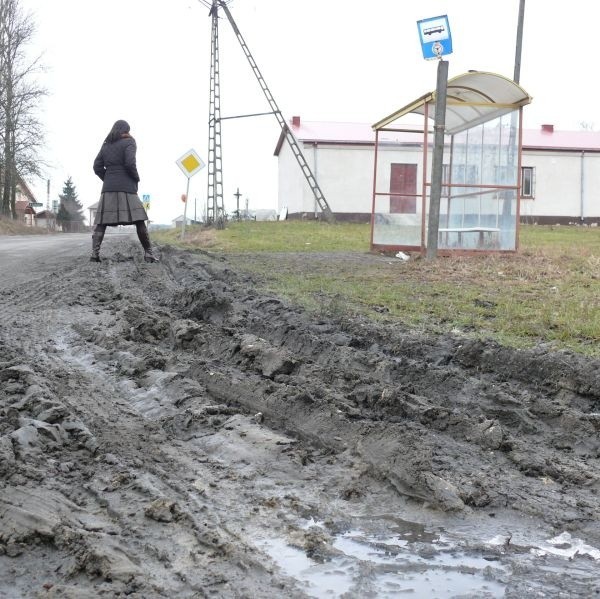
(315, 144)
(582, 189)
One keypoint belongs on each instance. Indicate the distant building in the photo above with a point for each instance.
(92, 212)
(46, 219)
(23, 203)
(560, 171)
(177, 222)
(263, 214)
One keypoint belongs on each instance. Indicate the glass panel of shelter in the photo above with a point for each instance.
(478, 207)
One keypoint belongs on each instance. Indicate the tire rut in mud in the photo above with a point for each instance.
(162, 417)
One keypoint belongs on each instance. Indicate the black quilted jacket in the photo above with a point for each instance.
(115, 165)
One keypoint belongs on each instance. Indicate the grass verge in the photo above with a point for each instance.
(13, 227)
(548, 292)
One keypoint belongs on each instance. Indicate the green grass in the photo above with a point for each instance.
(274, 236)
(548, 292)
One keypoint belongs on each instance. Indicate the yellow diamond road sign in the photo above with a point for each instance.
(190, 163)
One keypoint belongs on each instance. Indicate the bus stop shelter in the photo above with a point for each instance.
(481, 173)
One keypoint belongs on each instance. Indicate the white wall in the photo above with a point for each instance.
(557, 190)
(291, 182)
(345, 175)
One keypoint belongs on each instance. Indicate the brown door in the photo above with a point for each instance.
(403, 180)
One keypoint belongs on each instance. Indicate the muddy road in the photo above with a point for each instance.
(168, 430)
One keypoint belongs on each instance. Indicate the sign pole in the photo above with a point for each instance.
(187, 192)
(190, 163)
(438, 159)
(436, 41)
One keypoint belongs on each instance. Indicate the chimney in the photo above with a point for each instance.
(295, 121)
(548, 128)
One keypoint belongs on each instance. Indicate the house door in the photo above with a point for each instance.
(403, 180)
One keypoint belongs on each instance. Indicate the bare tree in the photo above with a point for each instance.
(20, 129)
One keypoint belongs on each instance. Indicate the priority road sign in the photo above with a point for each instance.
(190, 163)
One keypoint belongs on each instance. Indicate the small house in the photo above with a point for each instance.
(559, 172)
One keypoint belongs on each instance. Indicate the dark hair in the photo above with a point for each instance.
(119, 129)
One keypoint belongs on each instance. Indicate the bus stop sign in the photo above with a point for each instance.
(436, 40)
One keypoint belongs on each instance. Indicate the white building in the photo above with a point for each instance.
(560, 171)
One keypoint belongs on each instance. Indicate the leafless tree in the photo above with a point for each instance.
(21, 135)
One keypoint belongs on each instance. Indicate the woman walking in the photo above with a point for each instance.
(119, 202)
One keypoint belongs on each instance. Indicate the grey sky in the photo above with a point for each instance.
(148, 61)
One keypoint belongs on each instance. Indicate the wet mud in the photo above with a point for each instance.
(168, 430)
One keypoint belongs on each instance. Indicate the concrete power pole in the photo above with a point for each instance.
(519, 46)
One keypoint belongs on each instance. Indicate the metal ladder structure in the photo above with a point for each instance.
(215, 208)
(215, 184)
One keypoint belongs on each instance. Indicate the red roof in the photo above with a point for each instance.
(561, 140)
(23, 207)
(362, 133)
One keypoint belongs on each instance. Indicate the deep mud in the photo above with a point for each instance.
(170, 431)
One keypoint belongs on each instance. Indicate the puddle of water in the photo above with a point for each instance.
(564, 545)
(317, 580)
(394, 568)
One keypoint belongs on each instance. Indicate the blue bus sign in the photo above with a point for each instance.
(436, 40)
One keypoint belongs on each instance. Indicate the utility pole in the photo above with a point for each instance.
(507, 202)
(215, 212)
(519, 45)
(215, 184)
(48, 204)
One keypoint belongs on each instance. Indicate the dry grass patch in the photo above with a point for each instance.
(13, 227)
(548, 292)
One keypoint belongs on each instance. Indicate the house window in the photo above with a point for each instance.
(527, 180)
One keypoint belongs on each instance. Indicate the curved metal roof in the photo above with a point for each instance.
(472, 98)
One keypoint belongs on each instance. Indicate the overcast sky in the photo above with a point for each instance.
(147, 61)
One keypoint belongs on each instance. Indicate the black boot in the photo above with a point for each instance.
(97, 237)
(142, 233)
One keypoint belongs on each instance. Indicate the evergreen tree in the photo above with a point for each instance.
(70, 212)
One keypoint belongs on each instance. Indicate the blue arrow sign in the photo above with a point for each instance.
(436, 40)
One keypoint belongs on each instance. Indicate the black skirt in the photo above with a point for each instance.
(119, 208)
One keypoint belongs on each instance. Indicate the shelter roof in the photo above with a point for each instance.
(472, 98)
